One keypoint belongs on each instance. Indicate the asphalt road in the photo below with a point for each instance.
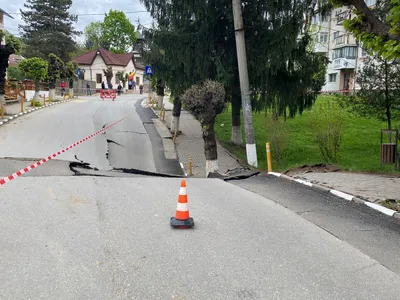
(109, 238)
(134, 143)
(91, 237)
(373, 233)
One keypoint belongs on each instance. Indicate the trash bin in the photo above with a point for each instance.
(388, 153)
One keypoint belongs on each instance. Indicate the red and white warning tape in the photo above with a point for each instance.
(50, 157)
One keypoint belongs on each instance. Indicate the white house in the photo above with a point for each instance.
(94, 62)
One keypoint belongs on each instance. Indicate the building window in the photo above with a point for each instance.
(99, 78)
(335, 34)
(323, 37)
(345, 52)
(370, 2)
(332, 77)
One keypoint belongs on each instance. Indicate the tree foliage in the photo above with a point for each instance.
(35, 68)
(377, 27)
(55, 69)
(70, 71)
(379, 93)
(94, 37)
(48, 28)
(11, 46)
(118, 32)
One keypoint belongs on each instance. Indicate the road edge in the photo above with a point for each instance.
(9, 119)
(348, 197)
(166, 128)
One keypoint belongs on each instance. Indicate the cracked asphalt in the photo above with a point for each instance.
(131, 144)
(94, 224)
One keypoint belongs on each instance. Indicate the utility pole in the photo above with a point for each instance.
(251, 149)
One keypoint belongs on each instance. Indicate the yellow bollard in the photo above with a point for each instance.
(44, 100)
(190, 166)
(2, 111)
(22, 105)
(174, 137)
(269, 162)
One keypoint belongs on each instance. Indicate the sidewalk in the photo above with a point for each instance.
(374, 188)
(190, 143)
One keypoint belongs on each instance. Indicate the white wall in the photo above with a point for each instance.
(29, 95)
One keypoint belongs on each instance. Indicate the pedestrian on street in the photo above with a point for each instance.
(141, 88)
(129, 85)
(89, 92)
(110, 86)
(134, 85)
(63, 85)
(103, 86)
(119, 89)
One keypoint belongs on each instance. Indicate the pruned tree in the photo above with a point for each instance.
(108, 73)
(205, 101)
(55, 70)
(11, 46)
(160, 92)
(379, 93)
(36, 69)
(70, 73)
(122, 77)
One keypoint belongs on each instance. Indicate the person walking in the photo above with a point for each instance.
(119, 89)
(141, 88)
(63, 86)
(103, 86)
(89, 92)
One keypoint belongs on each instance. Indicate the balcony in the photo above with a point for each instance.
(342, 16)
(344, 63)
(340, 40)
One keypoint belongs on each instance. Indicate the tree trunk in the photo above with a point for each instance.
(387, 99)
(52, 94)
(210, 147)
(236, 137)
(160, 100)
(2, 102)
(36, 95)
(176, 113)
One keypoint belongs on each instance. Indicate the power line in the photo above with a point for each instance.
(98, 14)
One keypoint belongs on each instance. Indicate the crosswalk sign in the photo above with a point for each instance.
(148, 70)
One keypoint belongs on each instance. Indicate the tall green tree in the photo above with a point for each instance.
(35, 68)
(48, 28)
(11, 46)
(94, 37)
(118, 32)
(282, 69)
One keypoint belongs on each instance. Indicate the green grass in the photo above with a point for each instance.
(359, 149)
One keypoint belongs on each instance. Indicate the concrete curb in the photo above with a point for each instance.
(6, 121)
(166, 128)
(340, 194)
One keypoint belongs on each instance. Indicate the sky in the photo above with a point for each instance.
(80, 7)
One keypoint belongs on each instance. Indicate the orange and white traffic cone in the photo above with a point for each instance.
(182, 218)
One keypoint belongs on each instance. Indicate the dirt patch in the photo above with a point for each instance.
(318, 168)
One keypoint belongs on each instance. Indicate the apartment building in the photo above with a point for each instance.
(340, 46)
